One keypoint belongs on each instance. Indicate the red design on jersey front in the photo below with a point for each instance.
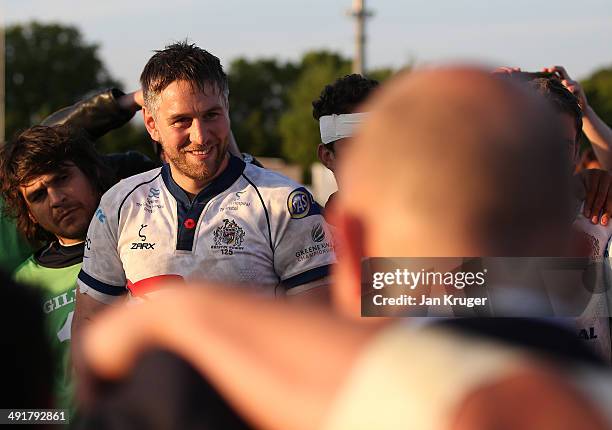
(154, 283)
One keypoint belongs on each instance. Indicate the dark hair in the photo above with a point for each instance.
(181, 62)
(561, 98)
(343, 96)
(41, 150)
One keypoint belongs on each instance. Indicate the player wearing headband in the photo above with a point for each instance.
(337, 110)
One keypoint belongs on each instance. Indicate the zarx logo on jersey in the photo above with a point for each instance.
(301, 204)
(142, 236)
(142, 244)
(100, 215)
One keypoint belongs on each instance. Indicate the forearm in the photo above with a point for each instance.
(97, 115)
(600, 135)
(314, 292)
(297, 356)
(85, 311)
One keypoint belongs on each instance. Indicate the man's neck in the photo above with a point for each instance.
(193, 186)
(69, 242)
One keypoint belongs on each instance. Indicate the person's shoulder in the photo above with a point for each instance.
(282, 195)
(22, 271)
(125, 187)
(265, 179)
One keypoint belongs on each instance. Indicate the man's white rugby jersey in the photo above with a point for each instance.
(250, 225)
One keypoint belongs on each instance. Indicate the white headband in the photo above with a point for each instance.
(334, 127)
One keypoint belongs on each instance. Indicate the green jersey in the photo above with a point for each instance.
(54, 271)
(14, 249)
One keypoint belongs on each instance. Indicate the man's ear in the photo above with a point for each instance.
(150, 124)
(32, 218)
(346, 285)
(25, 202)
(327, 157)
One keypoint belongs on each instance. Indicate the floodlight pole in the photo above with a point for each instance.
(361, 14)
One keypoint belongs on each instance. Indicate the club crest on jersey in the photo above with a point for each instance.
(301, 204)
(228, 237)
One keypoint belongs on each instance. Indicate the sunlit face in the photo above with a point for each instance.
(62, 202)
(330, 158)
(193, 128)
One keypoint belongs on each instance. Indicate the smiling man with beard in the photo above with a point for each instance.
(206, 214)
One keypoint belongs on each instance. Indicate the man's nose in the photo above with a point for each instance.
(57, 196)
(197, 132)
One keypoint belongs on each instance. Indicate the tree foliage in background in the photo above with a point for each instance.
(598, 89)
(299, 130)
(50, 66)
(271, 103)
(128, 138)
(258, 97)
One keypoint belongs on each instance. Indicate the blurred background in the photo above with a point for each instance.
(280, 54)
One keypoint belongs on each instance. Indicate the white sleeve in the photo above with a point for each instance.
(303, 243)
(102, 276)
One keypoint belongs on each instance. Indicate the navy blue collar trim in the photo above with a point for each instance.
(189, 212)
(232, 172)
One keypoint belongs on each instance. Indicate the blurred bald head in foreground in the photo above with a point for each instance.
(453, 162)
(456, 152)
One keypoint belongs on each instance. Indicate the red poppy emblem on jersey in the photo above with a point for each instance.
(189, 223)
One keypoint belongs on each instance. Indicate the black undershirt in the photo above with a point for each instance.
(57, 256)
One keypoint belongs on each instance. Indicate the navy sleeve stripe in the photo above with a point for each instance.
(111, 290)
(265, 211)
(305, 277)
(131, 191)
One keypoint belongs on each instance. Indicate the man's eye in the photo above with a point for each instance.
(35, 197)
(211, 115)
(181, 122)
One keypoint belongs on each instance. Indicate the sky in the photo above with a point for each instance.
(528, 34)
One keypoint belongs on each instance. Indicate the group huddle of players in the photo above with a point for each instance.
(483, 162)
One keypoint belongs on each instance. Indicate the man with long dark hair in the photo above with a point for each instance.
(51, 179)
